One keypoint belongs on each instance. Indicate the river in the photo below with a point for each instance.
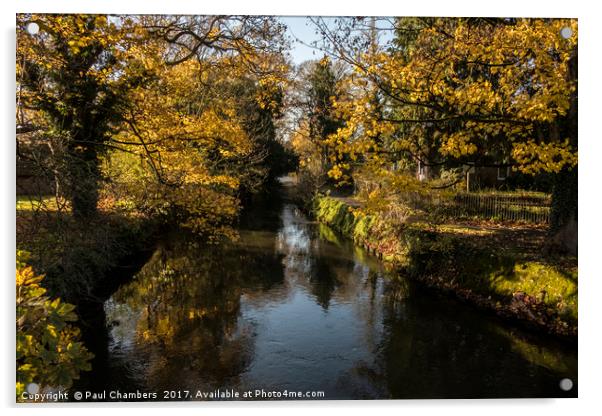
(293, 307)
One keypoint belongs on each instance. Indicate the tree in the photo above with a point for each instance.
(488, 92)
(138, 105)
(200, 129)
(321, 84)
(67, 84)
(260, 107)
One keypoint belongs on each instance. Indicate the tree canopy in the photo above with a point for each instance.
(456, 92)
(168, 115)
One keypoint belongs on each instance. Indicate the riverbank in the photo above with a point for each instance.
(500, 269)
(83, 262)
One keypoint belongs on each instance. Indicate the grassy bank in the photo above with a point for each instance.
(500, 269)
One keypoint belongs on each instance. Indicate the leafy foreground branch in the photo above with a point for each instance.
(49, 352)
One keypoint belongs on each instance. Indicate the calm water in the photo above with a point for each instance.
(291, 306)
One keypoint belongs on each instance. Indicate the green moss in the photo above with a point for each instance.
(366, 230)
(361, 230)
(336, 214)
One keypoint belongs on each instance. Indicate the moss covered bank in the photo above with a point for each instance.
(472, 263)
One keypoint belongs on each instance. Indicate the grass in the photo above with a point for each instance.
(27, 203)
(498, 273)
(516, 193)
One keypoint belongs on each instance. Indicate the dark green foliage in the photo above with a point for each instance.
(323, 88)
(272, 158)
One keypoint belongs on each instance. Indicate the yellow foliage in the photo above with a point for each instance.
(48, 349)
(461, 88)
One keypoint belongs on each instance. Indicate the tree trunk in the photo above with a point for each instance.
(563, 218)
(84, 175)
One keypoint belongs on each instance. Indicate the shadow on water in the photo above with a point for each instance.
(291, 306)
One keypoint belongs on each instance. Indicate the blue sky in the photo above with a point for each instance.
(301, 28)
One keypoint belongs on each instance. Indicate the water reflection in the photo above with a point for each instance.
(290, 306)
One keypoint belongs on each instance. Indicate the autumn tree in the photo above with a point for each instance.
(67, 86)
(139, 105)
(480, 92)
(201, 132)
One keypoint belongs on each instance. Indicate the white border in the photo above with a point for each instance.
(553, 8)
(589, 202)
